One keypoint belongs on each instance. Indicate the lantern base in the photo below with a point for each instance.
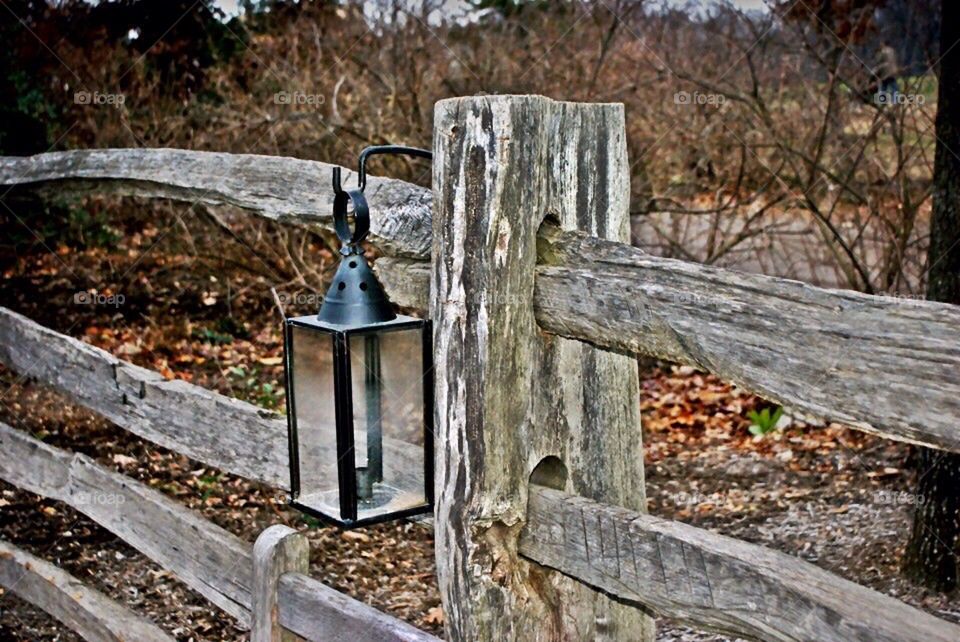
(386, 503)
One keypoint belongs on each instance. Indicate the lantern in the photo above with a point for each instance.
(359, 390)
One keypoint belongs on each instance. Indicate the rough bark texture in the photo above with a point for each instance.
(508, 396)
(207, 558)
(932, 554)
(88, 612)
(713, 581)
(279, 549)
(286, 190)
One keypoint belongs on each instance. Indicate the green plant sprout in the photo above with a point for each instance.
(764, 422)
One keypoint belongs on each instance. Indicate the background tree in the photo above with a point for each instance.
(931, 556)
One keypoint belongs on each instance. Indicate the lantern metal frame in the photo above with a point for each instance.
(336, 321)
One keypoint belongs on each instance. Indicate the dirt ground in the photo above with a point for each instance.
(832, 496)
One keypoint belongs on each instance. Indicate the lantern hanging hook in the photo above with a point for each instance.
(361, 211)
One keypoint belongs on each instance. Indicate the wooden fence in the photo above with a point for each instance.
(538, 305)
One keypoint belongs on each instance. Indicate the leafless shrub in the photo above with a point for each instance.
(753, 145)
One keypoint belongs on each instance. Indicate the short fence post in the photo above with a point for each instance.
(279, 549)
(510, 399)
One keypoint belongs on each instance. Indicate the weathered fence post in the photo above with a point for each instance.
(279, 549)
(508, 396)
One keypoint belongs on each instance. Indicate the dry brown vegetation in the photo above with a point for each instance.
(789, 166)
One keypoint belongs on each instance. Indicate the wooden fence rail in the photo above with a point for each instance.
(90, 613)
(861, 360)
(712, 581)
(176, 415)
(677, 570)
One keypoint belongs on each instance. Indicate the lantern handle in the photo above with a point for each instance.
(386, 149)
(371, 151)
(361, 211)
(361, 219)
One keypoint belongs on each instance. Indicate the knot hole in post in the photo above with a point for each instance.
(550, 472)
(549, 227)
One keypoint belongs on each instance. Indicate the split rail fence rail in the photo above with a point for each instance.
(539, 308)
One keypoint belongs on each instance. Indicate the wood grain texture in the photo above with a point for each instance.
(207, 558)
(204, 556)
(880, 364)
(174, 414)
(507, 396)
(884, 365)
(712, 581)
(93, 615)
(864, 361)
(286, 190)
(279, 549)
(315, 611)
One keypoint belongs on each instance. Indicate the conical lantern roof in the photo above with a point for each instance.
(355, 297)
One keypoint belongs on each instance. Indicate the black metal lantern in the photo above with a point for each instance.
(359, 390)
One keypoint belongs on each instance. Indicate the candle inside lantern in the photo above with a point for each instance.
(373, 384)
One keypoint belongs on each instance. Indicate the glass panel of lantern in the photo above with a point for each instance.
(388, 419)
(359, 414)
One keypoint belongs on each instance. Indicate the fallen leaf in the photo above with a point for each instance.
(124, 460)
(886, 472)
(353, 536)
(129, 349)
(434, 615)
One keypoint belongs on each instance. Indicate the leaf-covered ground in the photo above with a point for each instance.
(833, 496)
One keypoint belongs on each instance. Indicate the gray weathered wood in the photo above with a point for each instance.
(883, 365)
(880, 364)
(204, 556)
(677, 570)
(93, 615)
(279, 549)
(210, 560)
(507, 396)
(865, 361)
(317, 612)
(287, 190)
(174, 414)
(713, 581)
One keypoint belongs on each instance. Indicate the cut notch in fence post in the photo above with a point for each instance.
(507, 395)
(279, 549)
